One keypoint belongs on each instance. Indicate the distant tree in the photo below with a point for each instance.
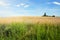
(48, 15)
(53, 15)
(45, 14)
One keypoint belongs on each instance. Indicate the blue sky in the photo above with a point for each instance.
(10, 8)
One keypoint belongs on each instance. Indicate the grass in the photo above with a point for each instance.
(30, 31)
(30, 28)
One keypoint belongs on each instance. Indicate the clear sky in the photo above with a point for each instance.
(29, 7)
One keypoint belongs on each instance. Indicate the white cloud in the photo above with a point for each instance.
(22, 5)
(26, 6)
(18, 5)
(4, 3)
(57, 3)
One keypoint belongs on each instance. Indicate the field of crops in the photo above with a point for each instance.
(33, 29)
(30, 19)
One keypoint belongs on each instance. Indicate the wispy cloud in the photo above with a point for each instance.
(18, 5)
(57, 3)
(26, 6)
(4, 3)
(23, 5)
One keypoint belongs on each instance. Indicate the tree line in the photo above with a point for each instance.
(45, 15)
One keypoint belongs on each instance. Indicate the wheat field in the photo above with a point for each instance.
(29, 19)
(30, 28)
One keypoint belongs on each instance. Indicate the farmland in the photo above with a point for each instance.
(29, 19)
(30, 28)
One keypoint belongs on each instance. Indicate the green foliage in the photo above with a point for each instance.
(25, 31)
(44, 14)
(53, 15)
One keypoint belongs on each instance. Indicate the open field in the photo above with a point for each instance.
(28, 19)
(30, 28)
